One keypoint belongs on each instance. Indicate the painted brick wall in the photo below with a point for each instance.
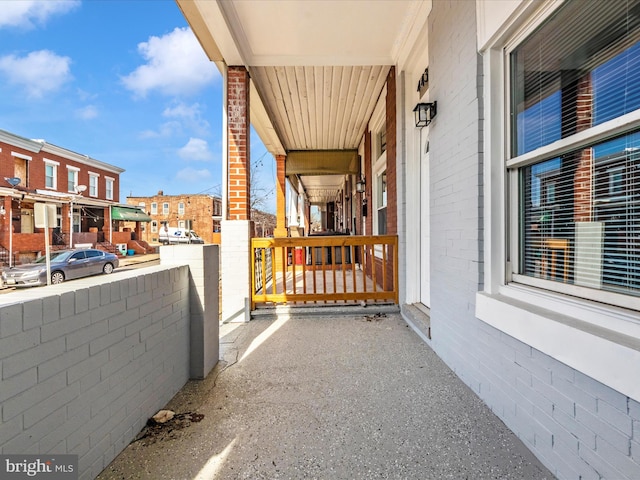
(238, 138)
(578, 427)
(84, 364)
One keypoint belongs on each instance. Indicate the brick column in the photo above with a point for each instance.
(281, 205)
(238, 157)
(236, 224)
(6, 222)
(392, 204)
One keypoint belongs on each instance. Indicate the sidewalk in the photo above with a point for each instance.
(138, 258)
(354, 397)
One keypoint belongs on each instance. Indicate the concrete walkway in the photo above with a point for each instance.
(344, 397)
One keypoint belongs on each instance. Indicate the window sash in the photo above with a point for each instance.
(72, 180)
(109, 189)
(50, 176)
(93, 185)
(611, 272)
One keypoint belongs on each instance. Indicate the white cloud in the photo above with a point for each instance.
(26, 13)
(166, 130)
(88, 112)
(191, 175)
(39, 73)
(190, 116)
(176, 65)
(196, 149)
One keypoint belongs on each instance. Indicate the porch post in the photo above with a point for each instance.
(236, 223)
(281, 205)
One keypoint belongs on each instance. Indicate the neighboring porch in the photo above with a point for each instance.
(324, 270)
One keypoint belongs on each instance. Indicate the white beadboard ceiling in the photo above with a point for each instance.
(320, 108)
(317, 66)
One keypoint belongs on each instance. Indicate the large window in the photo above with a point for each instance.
(575, 151)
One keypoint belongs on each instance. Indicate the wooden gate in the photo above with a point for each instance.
(324, 270)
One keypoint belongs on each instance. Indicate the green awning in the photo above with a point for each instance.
(130, 214)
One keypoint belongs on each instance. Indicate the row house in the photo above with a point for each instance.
(198, 212)
(83, 190)
(497, 143)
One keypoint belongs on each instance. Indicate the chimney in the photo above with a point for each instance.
(160, 193)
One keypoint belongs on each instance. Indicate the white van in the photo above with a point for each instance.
(170, 235)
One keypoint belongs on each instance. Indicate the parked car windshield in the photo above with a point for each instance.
(58, 256)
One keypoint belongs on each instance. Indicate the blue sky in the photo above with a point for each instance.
(123, 81)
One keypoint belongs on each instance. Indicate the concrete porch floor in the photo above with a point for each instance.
(353, 396)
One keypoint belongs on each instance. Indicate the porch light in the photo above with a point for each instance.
(424, 113)
(360, 184)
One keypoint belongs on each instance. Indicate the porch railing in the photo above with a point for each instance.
(325, 270)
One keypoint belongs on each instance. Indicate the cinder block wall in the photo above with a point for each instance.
(578, 427)
(85, 364)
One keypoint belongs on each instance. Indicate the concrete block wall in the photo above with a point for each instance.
(84, 364)
(579, 428)
(204, 281)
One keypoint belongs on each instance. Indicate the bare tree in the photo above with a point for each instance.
(260, 191)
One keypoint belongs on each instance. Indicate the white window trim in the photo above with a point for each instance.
(165, 211)
(55, 166)
(180, 208)
(97, 177)
(108, 195)
(75, 180)
(378, 160)
(154, 208)
(22, 156)
(601, 341)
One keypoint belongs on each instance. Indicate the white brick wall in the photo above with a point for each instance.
(85, 364)
(578, 427)
(235, 260)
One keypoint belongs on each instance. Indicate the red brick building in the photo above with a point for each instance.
(82, 189)
(200, 213)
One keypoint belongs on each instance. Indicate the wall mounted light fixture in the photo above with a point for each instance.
(424, 113)
(360, 184)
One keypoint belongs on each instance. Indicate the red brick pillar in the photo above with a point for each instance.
(281, 206)
(237, 228)
(392, 209)
(106, 227)
(6, 222)
(238, 182)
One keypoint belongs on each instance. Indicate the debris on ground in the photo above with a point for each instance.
(166, 428)
(378, 316)
(163, 416)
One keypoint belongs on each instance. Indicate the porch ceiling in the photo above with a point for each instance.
(317, 66)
